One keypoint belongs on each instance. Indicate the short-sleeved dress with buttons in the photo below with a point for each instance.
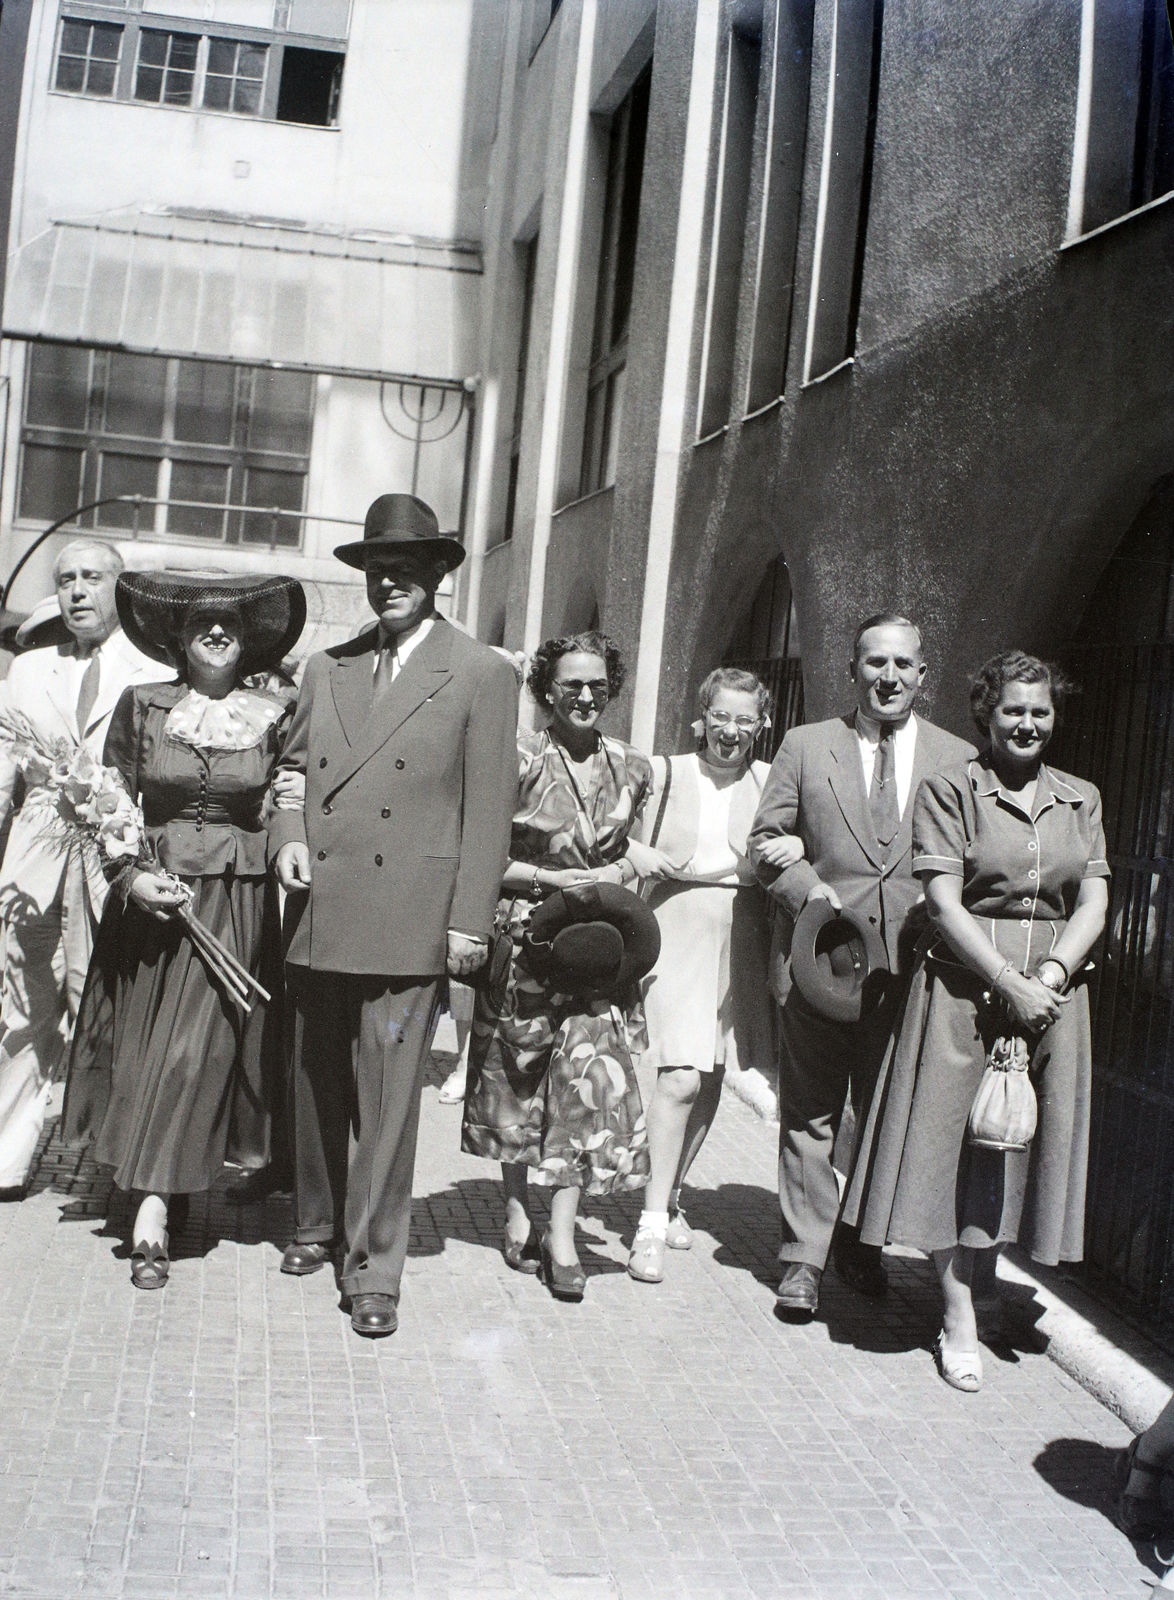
(167, 1075)
(917, 1181)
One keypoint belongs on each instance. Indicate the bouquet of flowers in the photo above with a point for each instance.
(79, 801)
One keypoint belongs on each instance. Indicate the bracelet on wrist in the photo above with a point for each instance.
(998, 976)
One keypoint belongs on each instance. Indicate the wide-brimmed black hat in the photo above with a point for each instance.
(152, 607)
(838, 961)
(593, 940)
(401, 522)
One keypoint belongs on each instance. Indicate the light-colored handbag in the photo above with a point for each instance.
(1003, 1116)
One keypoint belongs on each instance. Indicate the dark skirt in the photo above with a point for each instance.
(168, 1077)
(917, 1181)
(551, 1084)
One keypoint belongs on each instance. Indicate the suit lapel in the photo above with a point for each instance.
(425, 670)
(847, 783)
(57, 691)
(351, 686)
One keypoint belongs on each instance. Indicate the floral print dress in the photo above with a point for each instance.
(551, 1084)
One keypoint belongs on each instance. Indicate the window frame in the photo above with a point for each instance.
(66, 19)
(96, 441)
(171, 35)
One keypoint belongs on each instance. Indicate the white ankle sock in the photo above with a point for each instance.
(654, 1222)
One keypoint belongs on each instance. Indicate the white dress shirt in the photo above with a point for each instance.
(404, 643)
(75, 667)
(904, 747)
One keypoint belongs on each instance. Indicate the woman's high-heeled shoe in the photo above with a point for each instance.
(149, 1264)
(962, 1369)
(522, 1257)
(564, 1283)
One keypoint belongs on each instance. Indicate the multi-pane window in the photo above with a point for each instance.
(166, 68)
(201, 442)
(87, 57)
(613, 305)
(236, 76)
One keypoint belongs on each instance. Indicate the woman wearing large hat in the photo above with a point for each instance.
(170, 1086)
(552, 1091)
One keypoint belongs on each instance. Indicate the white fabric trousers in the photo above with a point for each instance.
(46, 955)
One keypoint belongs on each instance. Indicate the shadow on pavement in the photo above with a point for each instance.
(1084, 1472)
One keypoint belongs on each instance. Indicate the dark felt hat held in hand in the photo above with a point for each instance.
(593, 940)
(397, 522)
(838, 962)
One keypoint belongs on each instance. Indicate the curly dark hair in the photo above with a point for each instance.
(542, 662)
(1014, 666)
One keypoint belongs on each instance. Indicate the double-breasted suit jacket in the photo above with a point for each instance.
(408, 806)
(816, 789)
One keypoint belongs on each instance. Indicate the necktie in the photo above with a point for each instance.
(384, 672)
(88, 693)
(882, 798)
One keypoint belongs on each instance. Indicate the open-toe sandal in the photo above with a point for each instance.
(149, 1264)
(962, 1369)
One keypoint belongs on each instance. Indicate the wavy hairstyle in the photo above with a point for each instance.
(1014, 666)
(542, 662)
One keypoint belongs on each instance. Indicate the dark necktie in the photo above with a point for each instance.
(384, 672)
(882, 798)
(88, 693)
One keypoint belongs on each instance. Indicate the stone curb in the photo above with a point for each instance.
(1115, 1363)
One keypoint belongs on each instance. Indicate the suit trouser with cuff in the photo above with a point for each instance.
(360, 1047)
(821, 1063)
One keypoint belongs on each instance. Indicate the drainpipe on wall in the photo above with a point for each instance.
(675, 392)
(570, 233)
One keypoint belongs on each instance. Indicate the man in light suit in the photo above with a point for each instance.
(847, 787)
(50, 904)
(406, 737)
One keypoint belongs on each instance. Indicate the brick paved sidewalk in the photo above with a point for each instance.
(230, 1436)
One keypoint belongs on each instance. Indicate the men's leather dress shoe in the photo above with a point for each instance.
(373, 1315)
(859, 1266)
(302, 1258)
(798, 1294)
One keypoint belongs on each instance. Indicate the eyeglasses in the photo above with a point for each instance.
(574, 687)
(722, 719)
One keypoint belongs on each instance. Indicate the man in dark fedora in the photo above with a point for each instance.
(847, 787)
(406, 738)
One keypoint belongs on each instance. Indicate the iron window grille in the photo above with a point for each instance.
(165, 73)
(209, 435)
(88, 54)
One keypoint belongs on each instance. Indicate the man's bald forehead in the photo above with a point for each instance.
(111, 556)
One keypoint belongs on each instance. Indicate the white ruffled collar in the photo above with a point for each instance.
(238, 721)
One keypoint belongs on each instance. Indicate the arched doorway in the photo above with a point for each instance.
(766, 642)
(1119, 733)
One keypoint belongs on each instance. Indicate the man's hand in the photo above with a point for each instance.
(822, 891)
(465, 954)
(649, 863)
(156, 894)
(782, 851)
(293, 867)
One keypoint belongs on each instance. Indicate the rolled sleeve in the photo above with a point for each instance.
(1098, 864)
(939, 830)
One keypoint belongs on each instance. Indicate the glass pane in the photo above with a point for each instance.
(204, 402)
(105, 42)
(221, 55)
(251, 63)
(100, 78)
(216, 93)
(246, 98)
(197, 480)
(282, 411)
(75, 38)
(179, 89)
(58, 382)
(71, 73)
(153, 48)
(273, 489)
(50, 482)
(128, 475)
(149, 84)
(183, 52)
(134, 396)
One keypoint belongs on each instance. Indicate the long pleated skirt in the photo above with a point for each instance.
(174, 1082)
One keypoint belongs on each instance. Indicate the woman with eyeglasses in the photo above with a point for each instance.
(707, 1002)
(551, 1086)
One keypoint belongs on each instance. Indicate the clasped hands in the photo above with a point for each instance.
(1034, 1003)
